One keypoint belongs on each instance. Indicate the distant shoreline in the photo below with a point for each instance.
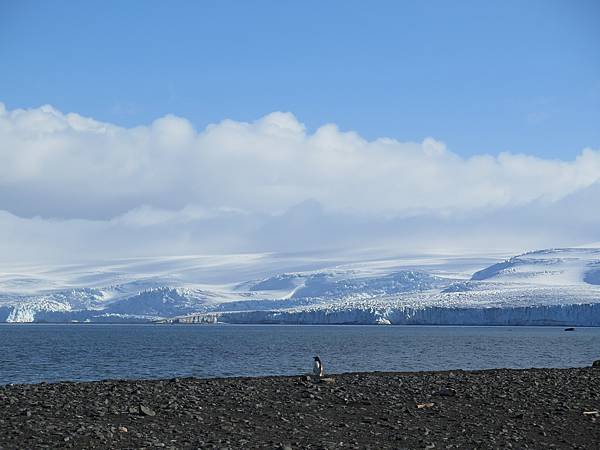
(468, 409)
(206, 325)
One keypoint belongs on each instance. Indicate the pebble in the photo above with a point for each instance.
(144, 410)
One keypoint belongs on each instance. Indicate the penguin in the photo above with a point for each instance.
(318, 367)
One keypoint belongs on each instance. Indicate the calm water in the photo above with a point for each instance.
(34, 353)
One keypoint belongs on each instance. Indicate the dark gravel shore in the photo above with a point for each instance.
(537, 408)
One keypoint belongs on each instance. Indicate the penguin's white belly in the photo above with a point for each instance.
(317, 369)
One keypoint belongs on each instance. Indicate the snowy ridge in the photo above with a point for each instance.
(559, 267)
(556, 286)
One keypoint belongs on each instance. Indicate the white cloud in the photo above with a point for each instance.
(63, 176)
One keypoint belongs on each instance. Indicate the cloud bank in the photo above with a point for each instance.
(72, 186)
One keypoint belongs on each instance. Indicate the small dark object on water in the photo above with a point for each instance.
(570, 329)
(596, 363)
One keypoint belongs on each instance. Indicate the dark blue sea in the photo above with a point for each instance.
(32, 353)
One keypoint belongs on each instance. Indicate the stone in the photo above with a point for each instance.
(445, 392)
(424, 405)
(145, 411)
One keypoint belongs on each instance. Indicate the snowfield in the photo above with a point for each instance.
(546, 287)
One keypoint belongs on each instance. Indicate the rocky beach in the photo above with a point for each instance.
(534, 408)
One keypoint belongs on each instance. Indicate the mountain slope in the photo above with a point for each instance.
(554, 267)
(551, 286)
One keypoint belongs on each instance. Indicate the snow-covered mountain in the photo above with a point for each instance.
(557, 286)
(556, 267)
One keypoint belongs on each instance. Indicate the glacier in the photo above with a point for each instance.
(543, 287)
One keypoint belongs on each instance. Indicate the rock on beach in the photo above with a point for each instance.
(534, 408)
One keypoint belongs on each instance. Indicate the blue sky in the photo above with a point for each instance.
(493, 110)
(483, 77)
